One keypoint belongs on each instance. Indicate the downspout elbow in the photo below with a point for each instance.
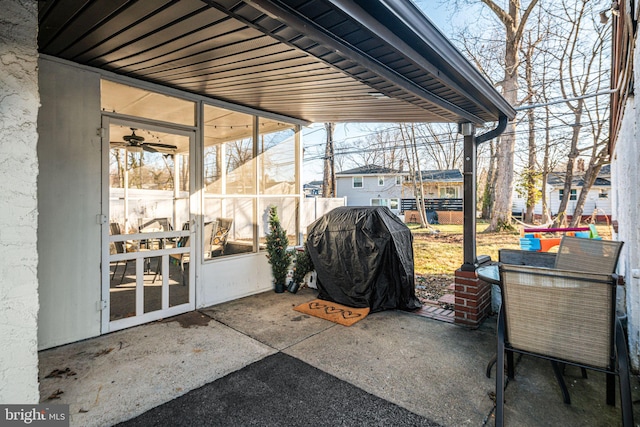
(494, 133)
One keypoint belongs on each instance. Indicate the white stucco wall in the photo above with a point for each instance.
(18, 203)
(625, 202)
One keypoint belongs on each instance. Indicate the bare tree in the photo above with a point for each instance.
(407, 133)
(514, 19)
(440, 145)
(582, 71)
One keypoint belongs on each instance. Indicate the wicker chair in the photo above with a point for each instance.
(566, 317)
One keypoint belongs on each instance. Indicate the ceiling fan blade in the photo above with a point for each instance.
(118, 144)
(149, 148)
(159, 145)
(133, 138)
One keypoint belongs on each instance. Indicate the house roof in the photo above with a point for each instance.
(556, 179)
(310, 60)
(370, 170)
(450, 175)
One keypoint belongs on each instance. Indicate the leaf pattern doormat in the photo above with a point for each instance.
(333, 312)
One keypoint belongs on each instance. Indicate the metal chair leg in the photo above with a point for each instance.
(115, 269)
(490, 365)
(126, 265)
(557, 371)
(500, 373)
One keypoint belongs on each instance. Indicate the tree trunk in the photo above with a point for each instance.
(561, 219)
(501, 213)
(546, 217)
(589, 178)
(489, 188)
(328, 178)
(531, 173)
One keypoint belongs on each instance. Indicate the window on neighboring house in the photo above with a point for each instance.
(392, 204)
(380, 181)
(398, 180)
(357, 182)
(448, 193)
(573, 195)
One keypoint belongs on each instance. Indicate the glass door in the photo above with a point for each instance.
(148, 225)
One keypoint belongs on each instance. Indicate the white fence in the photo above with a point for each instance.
(314, 207)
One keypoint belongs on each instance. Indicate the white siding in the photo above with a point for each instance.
(18, 205)
(369, 190)
(69, 197)
(593, 202)
(625, 199)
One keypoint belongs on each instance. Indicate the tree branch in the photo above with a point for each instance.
(500, 13)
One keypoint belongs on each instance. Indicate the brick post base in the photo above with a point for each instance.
(473, 299)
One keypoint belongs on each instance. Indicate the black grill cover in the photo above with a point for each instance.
(364, 258)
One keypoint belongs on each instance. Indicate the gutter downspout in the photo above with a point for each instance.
(471, 142)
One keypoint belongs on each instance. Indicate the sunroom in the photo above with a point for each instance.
(167, 129)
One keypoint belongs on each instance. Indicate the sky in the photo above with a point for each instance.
(314, 136)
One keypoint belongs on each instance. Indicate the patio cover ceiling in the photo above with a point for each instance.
(311, 60)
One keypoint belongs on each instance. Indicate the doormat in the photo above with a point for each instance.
(333, 312)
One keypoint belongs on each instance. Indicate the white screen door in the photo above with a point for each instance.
(148, 224)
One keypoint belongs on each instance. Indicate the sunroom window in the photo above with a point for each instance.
(249, 165)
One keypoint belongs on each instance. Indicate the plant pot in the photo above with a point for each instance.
(293, 287)
(279, 288)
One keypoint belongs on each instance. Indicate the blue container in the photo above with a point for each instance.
(530, 244)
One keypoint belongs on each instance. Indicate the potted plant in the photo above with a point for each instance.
(277, 254)
(302, 266)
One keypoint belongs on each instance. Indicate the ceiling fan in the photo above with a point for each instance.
(135, 143)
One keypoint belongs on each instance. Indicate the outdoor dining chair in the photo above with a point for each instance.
(219, 240)
(566, 317)
(574, 253)
(120, 248)
(183, 242)
(591, 255)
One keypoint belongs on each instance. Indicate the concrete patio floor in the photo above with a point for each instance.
(434, 369)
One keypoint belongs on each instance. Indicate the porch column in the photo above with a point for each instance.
(472, 295)
(469, 197)
(19, 201)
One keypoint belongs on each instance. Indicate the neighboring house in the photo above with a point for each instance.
(378, 186)
(372, 185)
(440, 184)
(624, 149)
(312, 189)
(598, 201)
(442, 190)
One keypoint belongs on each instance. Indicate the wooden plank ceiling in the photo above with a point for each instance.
(314, 60)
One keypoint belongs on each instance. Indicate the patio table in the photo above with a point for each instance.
(489, 273)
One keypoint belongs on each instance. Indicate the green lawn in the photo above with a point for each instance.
(442, 253)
